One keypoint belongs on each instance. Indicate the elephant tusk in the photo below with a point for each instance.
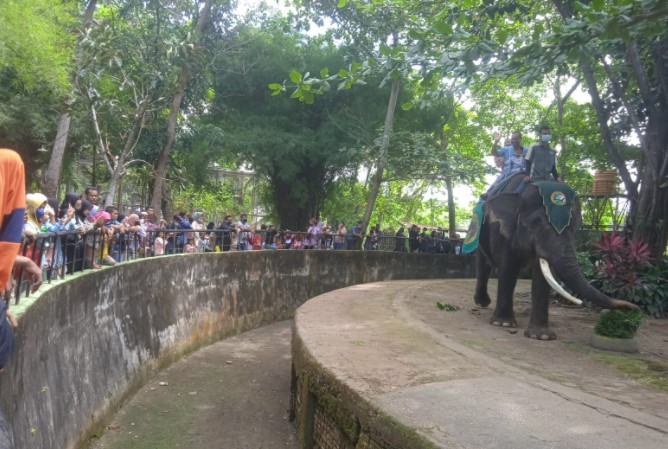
(545, 268)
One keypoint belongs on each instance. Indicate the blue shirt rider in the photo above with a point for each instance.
(513, 160)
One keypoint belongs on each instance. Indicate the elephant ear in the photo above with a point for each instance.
(502, 209)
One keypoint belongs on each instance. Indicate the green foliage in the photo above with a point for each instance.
(618, 323)
(439, 142)
(587, 265)
(344, 202)
(214, 201)
(25, 116)
(651, 294)
(200, 146)
(399, 201)
(37, 43)
(300, 150)
(623, 269)
(615, 49)
(447, 307)
(130, 62)
(36, 51)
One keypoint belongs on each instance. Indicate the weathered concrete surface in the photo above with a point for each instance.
(412, 376)
(88, 343)
(231, 394)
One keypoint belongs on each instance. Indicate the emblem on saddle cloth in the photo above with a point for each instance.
(558, 201)
(558, 198)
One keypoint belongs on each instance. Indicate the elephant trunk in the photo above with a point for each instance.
(569, 271)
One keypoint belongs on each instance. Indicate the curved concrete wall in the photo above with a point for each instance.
(90, 342)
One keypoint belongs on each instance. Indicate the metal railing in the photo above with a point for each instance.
(62, 254)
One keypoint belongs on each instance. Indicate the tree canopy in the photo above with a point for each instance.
(616, 49)
(394, 95)
(300, 149)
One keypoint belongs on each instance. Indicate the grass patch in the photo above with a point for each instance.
(646, 371)
(577, 346)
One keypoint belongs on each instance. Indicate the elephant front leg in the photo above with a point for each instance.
(503, 313)
(483, 270)
(539, 327)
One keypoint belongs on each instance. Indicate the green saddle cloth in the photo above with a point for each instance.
(558, 201)
(473, 234)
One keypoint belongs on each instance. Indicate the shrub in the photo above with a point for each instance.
(624, 269)
(587, 265)
(621, 261)
(618, 323)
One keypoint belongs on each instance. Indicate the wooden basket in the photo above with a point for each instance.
(605, 182)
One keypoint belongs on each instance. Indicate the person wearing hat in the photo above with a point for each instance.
(32, 226)
(35, 203)
(101, 223)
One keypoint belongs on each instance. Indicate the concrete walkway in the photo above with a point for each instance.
(463, 383)
(233, 394)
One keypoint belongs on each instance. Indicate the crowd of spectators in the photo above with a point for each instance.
(76, 234)
(63, 237)
(239, 236)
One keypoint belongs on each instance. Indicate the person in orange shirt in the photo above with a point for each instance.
(12, 210)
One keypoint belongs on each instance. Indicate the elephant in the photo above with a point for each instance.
(515, 232)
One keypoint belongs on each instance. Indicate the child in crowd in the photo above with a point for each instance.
(372, 241)
(257, 240)
(327, 237)
(276, 244)
(297, 242)
(190, 245)
(159, 244)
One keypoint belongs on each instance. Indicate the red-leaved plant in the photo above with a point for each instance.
(621, 262)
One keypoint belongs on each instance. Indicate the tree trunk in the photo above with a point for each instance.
(119, 164)
(449, 186)
(652, 213)
(52, 175)
(183, 80)
(163, 158)
(606, 134)
(651, 217)
(293, 209)
(452, 222)
(561, 103)
(648, 198)
(377, 179)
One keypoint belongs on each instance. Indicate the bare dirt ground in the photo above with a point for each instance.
(638, 380)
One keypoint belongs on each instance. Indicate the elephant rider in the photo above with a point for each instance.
(541, 160)
(513, 161)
